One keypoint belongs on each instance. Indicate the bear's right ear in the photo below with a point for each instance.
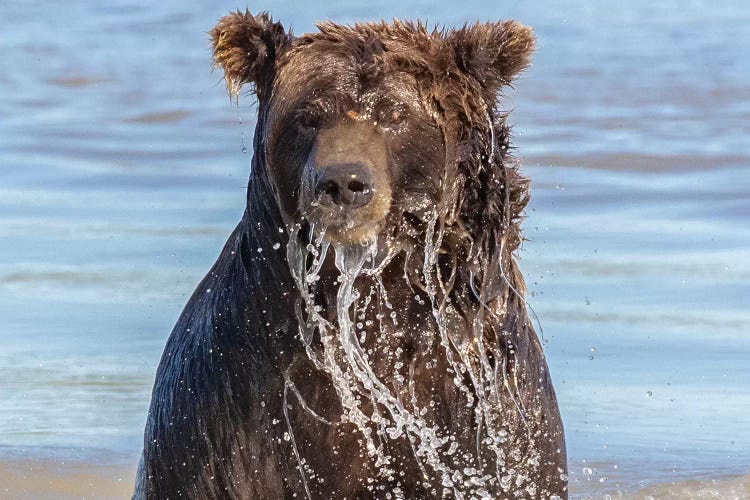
(245, 47)
(493, 53)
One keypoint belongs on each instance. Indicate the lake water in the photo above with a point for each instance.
(122, 172)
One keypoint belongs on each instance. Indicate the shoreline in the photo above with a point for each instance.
(42, 479)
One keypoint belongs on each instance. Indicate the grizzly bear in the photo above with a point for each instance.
(364, 332)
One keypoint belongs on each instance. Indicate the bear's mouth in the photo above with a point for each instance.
(347, 226)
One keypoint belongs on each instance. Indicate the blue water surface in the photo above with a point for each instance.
(122, 172)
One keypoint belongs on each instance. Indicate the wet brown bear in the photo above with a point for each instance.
(363, 333)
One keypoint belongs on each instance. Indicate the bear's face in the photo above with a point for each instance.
(347, 150)
(359, 125)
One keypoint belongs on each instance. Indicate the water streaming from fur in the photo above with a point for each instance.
(463, 473)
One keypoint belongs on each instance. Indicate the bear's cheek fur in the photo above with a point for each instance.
(286, 153)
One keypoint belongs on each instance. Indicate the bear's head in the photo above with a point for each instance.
(380, 127)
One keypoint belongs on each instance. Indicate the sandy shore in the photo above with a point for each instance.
(733, 488)
(51, 479)
(42, 480)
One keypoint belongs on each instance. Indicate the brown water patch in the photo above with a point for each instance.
(640, 162)
(76, 81)
(159, 117)
(66, 277)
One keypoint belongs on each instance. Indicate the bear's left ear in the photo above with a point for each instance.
(246, 48)
(493, 53)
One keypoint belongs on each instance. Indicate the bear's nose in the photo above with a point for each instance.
(345, 186)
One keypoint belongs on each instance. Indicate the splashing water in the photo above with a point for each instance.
(463, 473)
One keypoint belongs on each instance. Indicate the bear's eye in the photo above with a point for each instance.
(308, 120)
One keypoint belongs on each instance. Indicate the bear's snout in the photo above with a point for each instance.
(346, 183)
(345, 186)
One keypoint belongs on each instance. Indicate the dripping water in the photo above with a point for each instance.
(341, 355)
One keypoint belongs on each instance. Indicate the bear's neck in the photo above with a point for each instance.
(263, 243)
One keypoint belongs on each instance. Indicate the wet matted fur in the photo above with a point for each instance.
(388, 354)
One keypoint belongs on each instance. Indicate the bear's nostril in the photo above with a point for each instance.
(331, 188)
(356, 186)
(344, 186)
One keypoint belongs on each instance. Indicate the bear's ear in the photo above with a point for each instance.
(245, 47)
(493, 53)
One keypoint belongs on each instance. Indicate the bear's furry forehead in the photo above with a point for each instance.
(249, 47)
